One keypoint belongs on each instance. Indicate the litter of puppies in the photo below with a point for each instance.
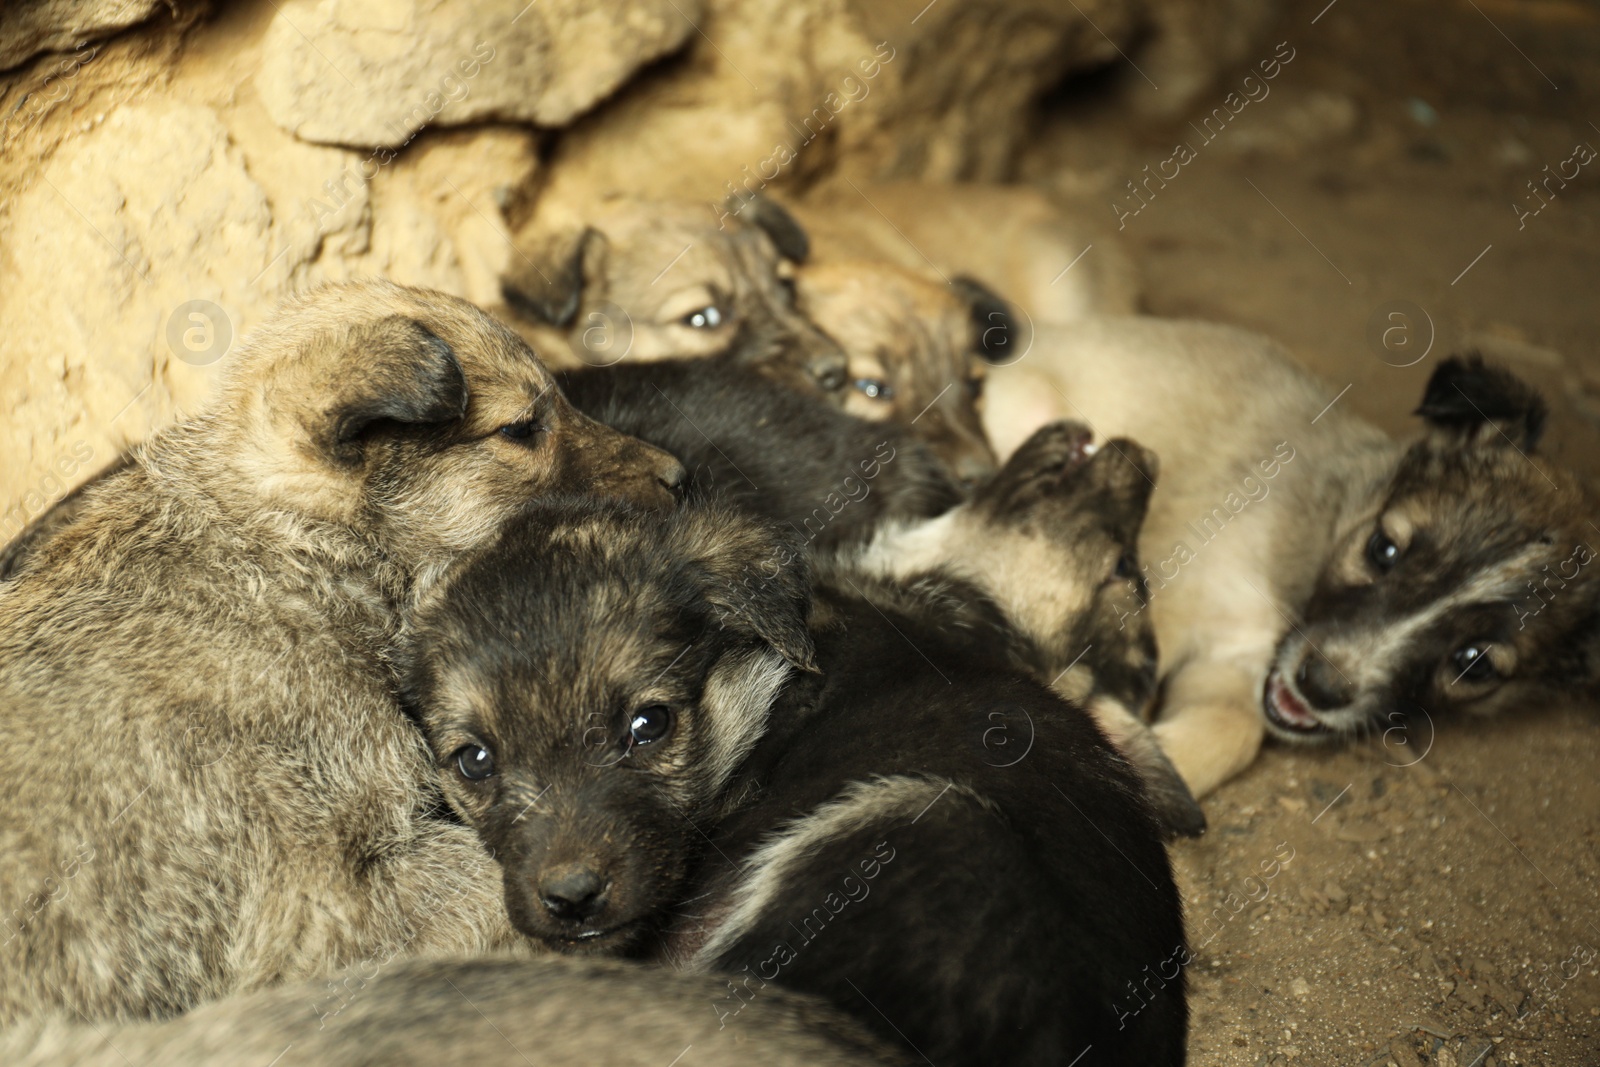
(801, 652)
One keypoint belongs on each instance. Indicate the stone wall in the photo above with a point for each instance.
(169, 171)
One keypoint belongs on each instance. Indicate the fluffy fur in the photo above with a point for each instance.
(1269, 610)
(210, 783)
(534, 659)
(533, 1013)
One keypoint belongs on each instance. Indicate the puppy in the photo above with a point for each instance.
(831, 478)
(210, 782)
(1307, 575)
(865, 493)
(645, 280)
(1010, 238)
(917, 351)
(937, 843)
(587, 686)
(540, 1013)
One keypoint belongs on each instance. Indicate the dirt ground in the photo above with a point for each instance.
(1440, 906)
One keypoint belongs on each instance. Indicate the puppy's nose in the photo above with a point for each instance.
(573, 892)
(1321, 683)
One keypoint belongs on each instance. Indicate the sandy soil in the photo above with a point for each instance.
(1441, 903)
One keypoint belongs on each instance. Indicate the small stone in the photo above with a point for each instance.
(1300, 987)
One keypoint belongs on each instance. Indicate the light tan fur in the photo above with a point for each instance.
(912, 346)
(210, 785)
(1221, 407)
(1010, 238)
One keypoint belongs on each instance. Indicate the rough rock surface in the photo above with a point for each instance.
(373, 72)
(29, 27)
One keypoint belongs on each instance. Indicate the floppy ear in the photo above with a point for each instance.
(401, 373)
(755, 579)
(991, 318)
(1482, 404)
(548, 285)
(774, 220)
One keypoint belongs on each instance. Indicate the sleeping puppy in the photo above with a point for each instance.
(644, 280)
(199, 656)
(587, 686)
(918, 351)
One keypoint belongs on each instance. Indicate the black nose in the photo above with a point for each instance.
(573, 892)
(1321, 683)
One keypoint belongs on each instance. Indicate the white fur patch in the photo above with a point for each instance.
(738, 697)
(860, 805)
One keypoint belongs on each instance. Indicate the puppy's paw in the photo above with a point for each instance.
(1038, 470)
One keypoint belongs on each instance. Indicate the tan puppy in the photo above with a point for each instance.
(641, 279)
(1010, 238)
(916, 350)
(519, 1013)
(1307, 574)
(209, 782)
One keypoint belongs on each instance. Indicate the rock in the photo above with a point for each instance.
(779, 92)
(1300, 988)
(28, 27)
(370, 73)
(146, 213)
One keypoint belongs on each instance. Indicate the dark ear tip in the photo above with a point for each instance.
(773, 219)
(992, 316)
(1466, 391)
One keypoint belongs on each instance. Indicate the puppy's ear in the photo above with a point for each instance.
(401, 373)
(1472, 402)
(755, 579)
(993, 323)
(774, 220)
(548, 285)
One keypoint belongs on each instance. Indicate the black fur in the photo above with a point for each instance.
(553, 293)
(775, 221)
(1014, 915)
(1465, 393)
(992, 319)
(774, 452)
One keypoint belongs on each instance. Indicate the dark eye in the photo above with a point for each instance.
(1127, 567)
(707, 318)
(1473, 663)
(650, 724)
(522, 431)
(1382, 553)
(474, 762)
(874, 388)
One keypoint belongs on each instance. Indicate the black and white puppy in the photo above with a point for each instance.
(937, 842)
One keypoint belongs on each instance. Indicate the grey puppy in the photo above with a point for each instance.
(210, 785)
(433, 1013)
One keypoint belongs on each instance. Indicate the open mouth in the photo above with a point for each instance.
(592, 940)
(1285, 710)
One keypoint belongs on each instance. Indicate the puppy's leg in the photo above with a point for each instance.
(1180, 814)
(1210, 725)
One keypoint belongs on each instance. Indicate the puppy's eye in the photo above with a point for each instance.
(1473, 664)
(650, 724)
(526, 431)
(707, 318)
(1127, 566)
(874, 388)
(1382, 553)
(474, 762)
